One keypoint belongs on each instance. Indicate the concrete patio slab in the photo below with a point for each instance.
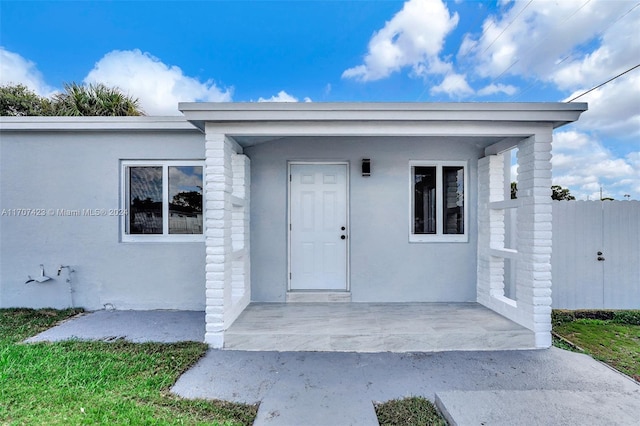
(374, 327)
(134, 326)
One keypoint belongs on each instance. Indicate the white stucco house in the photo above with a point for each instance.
(280, 202)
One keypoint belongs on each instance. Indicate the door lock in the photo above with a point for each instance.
(342, 228)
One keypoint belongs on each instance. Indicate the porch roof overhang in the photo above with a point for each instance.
(493, 124)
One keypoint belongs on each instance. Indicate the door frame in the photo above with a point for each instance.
(347, 213)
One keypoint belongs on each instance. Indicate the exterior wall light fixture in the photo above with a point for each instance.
(366, 167)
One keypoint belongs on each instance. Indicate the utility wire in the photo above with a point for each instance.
(602, 84)
(534, 83)
(539, 43)
(507, 27)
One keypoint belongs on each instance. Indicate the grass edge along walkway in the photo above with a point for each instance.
(78, 382)
(609, 336)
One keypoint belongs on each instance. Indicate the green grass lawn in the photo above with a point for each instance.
(413, 411)
(609, 336)
(95, 382)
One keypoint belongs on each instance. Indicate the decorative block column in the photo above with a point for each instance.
(240, 226)
(532, 305)
(490, 229)
(218, 241)
(534, 234)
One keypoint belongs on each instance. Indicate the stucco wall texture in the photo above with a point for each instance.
(384, 266)
(81, 170)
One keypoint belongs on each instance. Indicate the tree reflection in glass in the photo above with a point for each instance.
(185, 200)
(145, 192)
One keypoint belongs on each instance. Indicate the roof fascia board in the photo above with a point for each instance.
(331, 114)
(379, 106)
(94, 123)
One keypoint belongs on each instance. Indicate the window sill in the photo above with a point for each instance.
(432, 238)
(162, 238)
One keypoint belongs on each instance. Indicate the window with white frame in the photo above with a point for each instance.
(438, 201)
(163, 200)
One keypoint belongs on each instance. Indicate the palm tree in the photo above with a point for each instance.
(94, 100)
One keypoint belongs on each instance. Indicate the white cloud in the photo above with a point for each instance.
(158, 86)
(497, 88)
(570, 43)
(413, 37)
(614, 109)
(14, 69)
(282, 96)
(454, 85)
(583, 164)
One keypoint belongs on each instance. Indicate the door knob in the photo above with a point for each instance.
(600, 258)
(343, 237)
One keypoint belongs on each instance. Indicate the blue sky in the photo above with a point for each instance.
(163, 52)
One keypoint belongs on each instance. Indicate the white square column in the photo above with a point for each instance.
(490, 232)
(534, 234)
(532, 252)
(223, 302)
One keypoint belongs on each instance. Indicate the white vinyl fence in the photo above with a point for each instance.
(596, 254)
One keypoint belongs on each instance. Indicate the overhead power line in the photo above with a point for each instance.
(597, 35)
(602, 84)
(507, 27)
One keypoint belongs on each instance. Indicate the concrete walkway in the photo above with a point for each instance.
(539, 387)
(135, 326)
(530, 387)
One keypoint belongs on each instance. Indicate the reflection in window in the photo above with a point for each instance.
(185, 200)
(453, 199)
(163, 198)
(145, 198)
(424, 218)
(438, 201)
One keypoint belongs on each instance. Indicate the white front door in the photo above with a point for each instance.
(318, 227)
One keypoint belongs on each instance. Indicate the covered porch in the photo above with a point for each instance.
(249, 152)
(374, 327)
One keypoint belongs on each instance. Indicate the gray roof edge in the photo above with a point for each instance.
(42, 123)
(381, 106)
(557, 113)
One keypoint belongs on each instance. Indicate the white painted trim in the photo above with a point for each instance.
(348, 226)
(39, 124)
(439, 236)
(125, 237)
(375, 118)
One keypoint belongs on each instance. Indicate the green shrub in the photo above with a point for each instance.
(561, 316)
(627, 317)
(594, 314)
(564, 316)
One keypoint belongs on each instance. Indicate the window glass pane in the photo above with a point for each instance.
(185, 200)
(453, 200)
(145, 200)
(424, 200)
